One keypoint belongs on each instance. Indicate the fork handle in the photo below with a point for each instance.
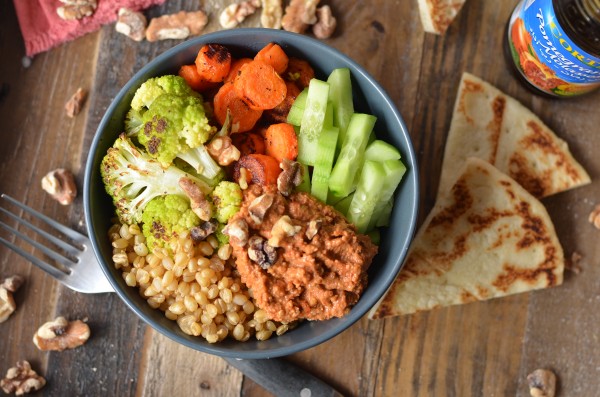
(282, 378)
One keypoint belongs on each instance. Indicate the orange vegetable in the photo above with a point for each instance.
(300, 72)
(280, 112)
(249, 143)
(259, 85)
(213, 62)
(235, 68)
(281, 142)
(263, 169)
(272, 54)
(190, 74)
(243, 117)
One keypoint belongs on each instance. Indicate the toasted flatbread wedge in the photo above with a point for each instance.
(437, 15)
(492, 126)
(486, 238)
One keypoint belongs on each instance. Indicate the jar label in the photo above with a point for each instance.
(545, 55)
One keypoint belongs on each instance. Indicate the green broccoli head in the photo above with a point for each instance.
(227, 199)
(173, 125)
(157, 86)
(166, 217)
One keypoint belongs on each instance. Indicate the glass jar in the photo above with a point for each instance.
(555, 45)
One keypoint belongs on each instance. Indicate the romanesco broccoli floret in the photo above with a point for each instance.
(227, 199)
(132, 178)
(166, 217)
(222, 238)
(157, 86)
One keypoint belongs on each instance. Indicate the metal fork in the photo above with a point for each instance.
(81, 272)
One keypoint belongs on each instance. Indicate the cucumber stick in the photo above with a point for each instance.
(324, 162)
(312, 121)
(367, 195)
(394, 171)
(297, 110)
(379, 150)
(340, 95)
(351, 156)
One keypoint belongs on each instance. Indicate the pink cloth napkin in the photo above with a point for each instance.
(43, 29)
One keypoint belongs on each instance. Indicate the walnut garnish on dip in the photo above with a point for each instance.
(21, 379)
(7, 302)
(60, 334)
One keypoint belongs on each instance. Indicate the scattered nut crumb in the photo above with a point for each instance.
(282, 228)
(61, 334)
(299, 15)
(73, 106)
(542, 383)
(326, 23)
(176, 26)
(221, 149)
(572, 264)
(7, 302)
(60, 184)
(271, 14)
(198, 202)
(594, 217)
(235, 13)
(21, 379)
(76, 9)
(132, 24)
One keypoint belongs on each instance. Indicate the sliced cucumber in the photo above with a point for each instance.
(352, 154)
(343, 204)
(379, 150)
(340, 94)
(367, 195)
(394, 171)
(386, 214)
(324, 162)
(312, 121)
(297, 110)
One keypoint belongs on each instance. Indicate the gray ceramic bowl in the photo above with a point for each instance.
(369, 98)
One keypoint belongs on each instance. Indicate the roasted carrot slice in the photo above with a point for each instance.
(281, 142)
(262, 169)
(243, 118)
(259, 85)
(213, 62)
(280, 112)
(300, 72)
(249, 143)
(190, 74)
(272, 54)
(235, 68)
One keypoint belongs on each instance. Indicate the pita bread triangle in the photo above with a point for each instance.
(437, 15)
(486, 238)
(495, 127)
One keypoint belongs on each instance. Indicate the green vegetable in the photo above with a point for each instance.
(351, 155)
(305, 184)
(324, 162)
(343, 204)
(165, 217)
(157, 86)
(367, 195)
(132, 178)
(312, 121)
(394, 171)
(227, 199)
(380, 151)
(340, 95)
(297, 110)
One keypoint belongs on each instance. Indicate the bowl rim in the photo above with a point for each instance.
(410, 177)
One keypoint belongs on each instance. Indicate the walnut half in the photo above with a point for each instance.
(7, 302)
(542, 383)
(61, 334)
(60, 184)
(21, 379)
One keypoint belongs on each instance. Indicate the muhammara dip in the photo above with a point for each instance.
(300, 258)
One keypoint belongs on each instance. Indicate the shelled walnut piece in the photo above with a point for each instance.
(7, 302)
(60, 184)
(132, 24)
(235, 13)
(271, 14)
(176, 26)
(21, 379)
(61, 334)
(75, 103)
(326, 23)
(542, 383)
(76, 9)
(299, 15)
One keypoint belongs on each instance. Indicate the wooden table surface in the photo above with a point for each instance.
(479, 349)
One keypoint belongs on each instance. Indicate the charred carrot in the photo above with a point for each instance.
(261, 169)
(249, 143)
(280, 112)
(243, 118)
(236, 65)
(281, 142)
(260, 86)
(300, 72)
(272, 54)
(213, 62)
(190, 74)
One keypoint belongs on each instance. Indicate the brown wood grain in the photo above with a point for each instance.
(479, 349)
